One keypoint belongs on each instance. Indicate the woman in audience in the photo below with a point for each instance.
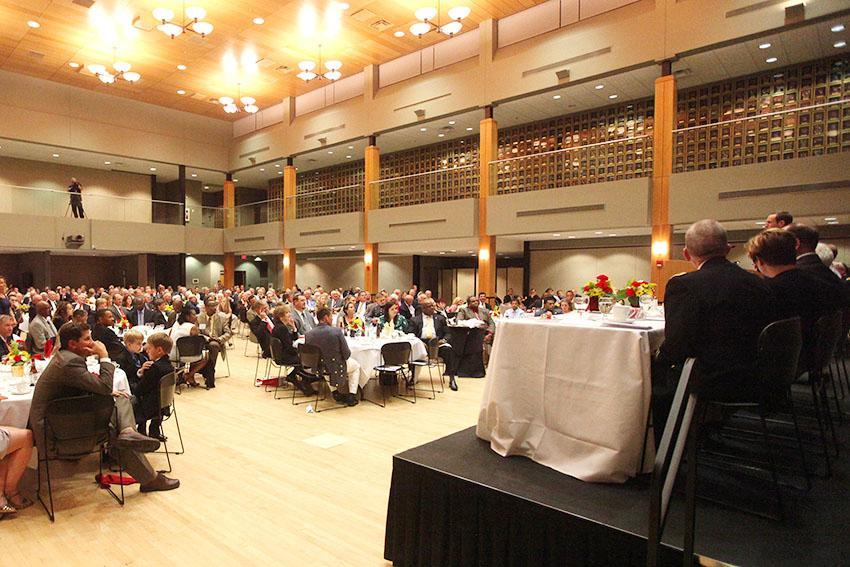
(284, 331)
(15, 453)
(456, 304)
(262, 326)
(566, 305)
(186, 326)
(392, 318)
(63, 313)
(348, 319)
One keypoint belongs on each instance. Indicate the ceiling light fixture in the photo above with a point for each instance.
(74, 65)
(837, 28)
(839, 44)
(195, 24)
(440, 135)
(469, 129)
(557, 97)
(765, 45)
(399, 33)
(428, 14)
(613, 96)
(771, 60)
(33, 24)
(308, 69)
(599, 87)
(258, 21)
(56, 155)
(107, 163)
(181, 67)
(249, 104)
(181, 92)
(153, 169)
(121, 70)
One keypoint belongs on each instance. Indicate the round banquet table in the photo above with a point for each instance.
(15, 409)
(367, 353)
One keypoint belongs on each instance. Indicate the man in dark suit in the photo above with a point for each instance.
(103, 332)
(146, 389)
(807, 259)
(159, 317)
(67, 375)
(140, 314)
(176, 308)
(407, 308)
(798, 293)
(336, 357)
(714, 314)
(430, 325)
(7, 325)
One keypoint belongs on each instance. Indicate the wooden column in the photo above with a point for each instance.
(662, 160)
(371, 201)
(487, 149)
(229, 205)
(290, 213)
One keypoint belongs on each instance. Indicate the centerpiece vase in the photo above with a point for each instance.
(634, 300)
(18, 370)
(593, 305)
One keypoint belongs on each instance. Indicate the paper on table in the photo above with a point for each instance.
(625, 325)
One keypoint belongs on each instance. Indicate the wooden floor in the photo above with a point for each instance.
(252, 487)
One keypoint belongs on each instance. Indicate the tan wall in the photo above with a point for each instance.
(106, 194)
(254, 238)
(572, 269)
(393, 271)
(454, 219)
(334, 230)
(71, 117)
(204, 240)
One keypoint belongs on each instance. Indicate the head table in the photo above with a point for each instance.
(15, 409)
(571, 393)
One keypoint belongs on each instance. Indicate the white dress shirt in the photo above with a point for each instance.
(428, 330)
(514, 313)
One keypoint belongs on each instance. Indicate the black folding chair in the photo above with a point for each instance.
(395, 358)
(433, 361)
(313, 367)
(73, 428)
(827, 336)
(276, 352)
(167, 411)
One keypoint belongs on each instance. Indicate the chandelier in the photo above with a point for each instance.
(426, 22)
(195, 14)
(249, 104)
(121, 71)
(309, 69)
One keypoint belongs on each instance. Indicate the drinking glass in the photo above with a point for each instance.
(646, 303)
(605, 305)
(581, 303)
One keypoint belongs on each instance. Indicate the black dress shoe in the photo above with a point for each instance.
(306, 388)
(452, 383)
(339, 398)
(160, 483)
(351, 400)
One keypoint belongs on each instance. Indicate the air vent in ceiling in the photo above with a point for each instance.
(283, 69)
(83, 3)
(381, 25)
(683, 72)
(36, 54)
(364, 16)
(198, 96)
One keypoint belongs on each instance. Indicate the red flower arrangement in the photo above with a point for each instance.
(601, 287)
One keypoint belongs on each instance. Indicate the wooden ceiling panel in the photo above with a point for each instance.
(66, 35)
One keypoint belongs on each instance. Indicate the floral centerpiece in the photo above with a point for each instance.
(596, 289)
(123, 324)
(355, 326)
(634, 290)
(17, 358)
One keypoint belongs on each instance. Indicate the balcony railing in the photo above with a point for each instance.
(445, 184)
(259, 212)
(321, 202)
(611, 160)
(811, 130)
(55, 203)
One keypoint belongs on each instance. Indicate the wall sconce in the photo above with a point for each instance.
(286, 260)
(367, 258)
(660, 248)
(484, 254)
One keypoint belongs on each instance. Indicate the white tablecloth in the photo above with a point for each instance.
(571, 394)
(15, 410)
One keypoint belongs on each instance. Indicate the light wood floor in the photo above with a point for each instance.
(251, 488)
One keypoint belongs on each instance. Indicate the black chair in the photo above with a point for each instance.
(827, 336)
(433, 361)
(73, 428)
(313, 367)
(167, 411)
(276, 351)
(395, 358)
(680, 432)
(777, 360)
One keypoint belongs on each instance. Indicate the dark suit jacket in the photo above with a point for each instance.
(147, 316)
(146, 389)
(286, 337)
(159, 318)
(4, 348)
(114, 346)
(716, 315)
(335, 351)
(261, 330)
(811, 263)
(440, 326)
(409, 311)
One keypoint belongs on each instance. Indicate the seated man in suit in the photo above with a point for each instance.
(41, 329)
(304, 322)
(102, 331)
(216, 326)
(140, 314)
(336, 356)
(7, 326)
(798, 293)
(430, 325)
(714, 314)
(407, 308)
(474, 310)
(807, 259)
(146, 391)
(176, 308)
(67, 375)
(159, 315)
(548, 307)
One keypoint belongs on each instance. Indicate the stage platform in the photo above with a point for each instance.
(456, 502)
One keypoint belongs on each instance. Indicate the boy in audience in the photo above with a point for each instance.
(147, 387)
(133, 341)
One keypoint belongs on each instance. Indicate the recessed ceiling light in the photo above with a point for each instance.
(423, 129)
(830, 218)
(399, 33)
(598, 232)
(837, 28)
(765, 45)
(347, 157)
(280, 173)
(613, 96)
(612, 235)
(443, 253)
(760, 223)
(352, 247)
(350, 147)
(74, 65)
(571, 236)
(153, 169)
(330, 152)
(181, 92)
(556, 235)
(206, 186)
(832, 222)
(194, 175)
(557, 97)
(55, 155)
(424, 251)
(440, 135)
(235, 180)
(277, 165)
(469, 129)
(771, 60)
(33, 24)
(343, 5)
(258, 21)
(599, 87)
(107, 163)
(452, 250)
(262, 169)
(840, 44)
(181, 67)
(778, 75)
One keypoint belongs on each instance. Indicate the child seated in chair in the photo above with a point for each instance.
(133, 363)
(147, 403)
